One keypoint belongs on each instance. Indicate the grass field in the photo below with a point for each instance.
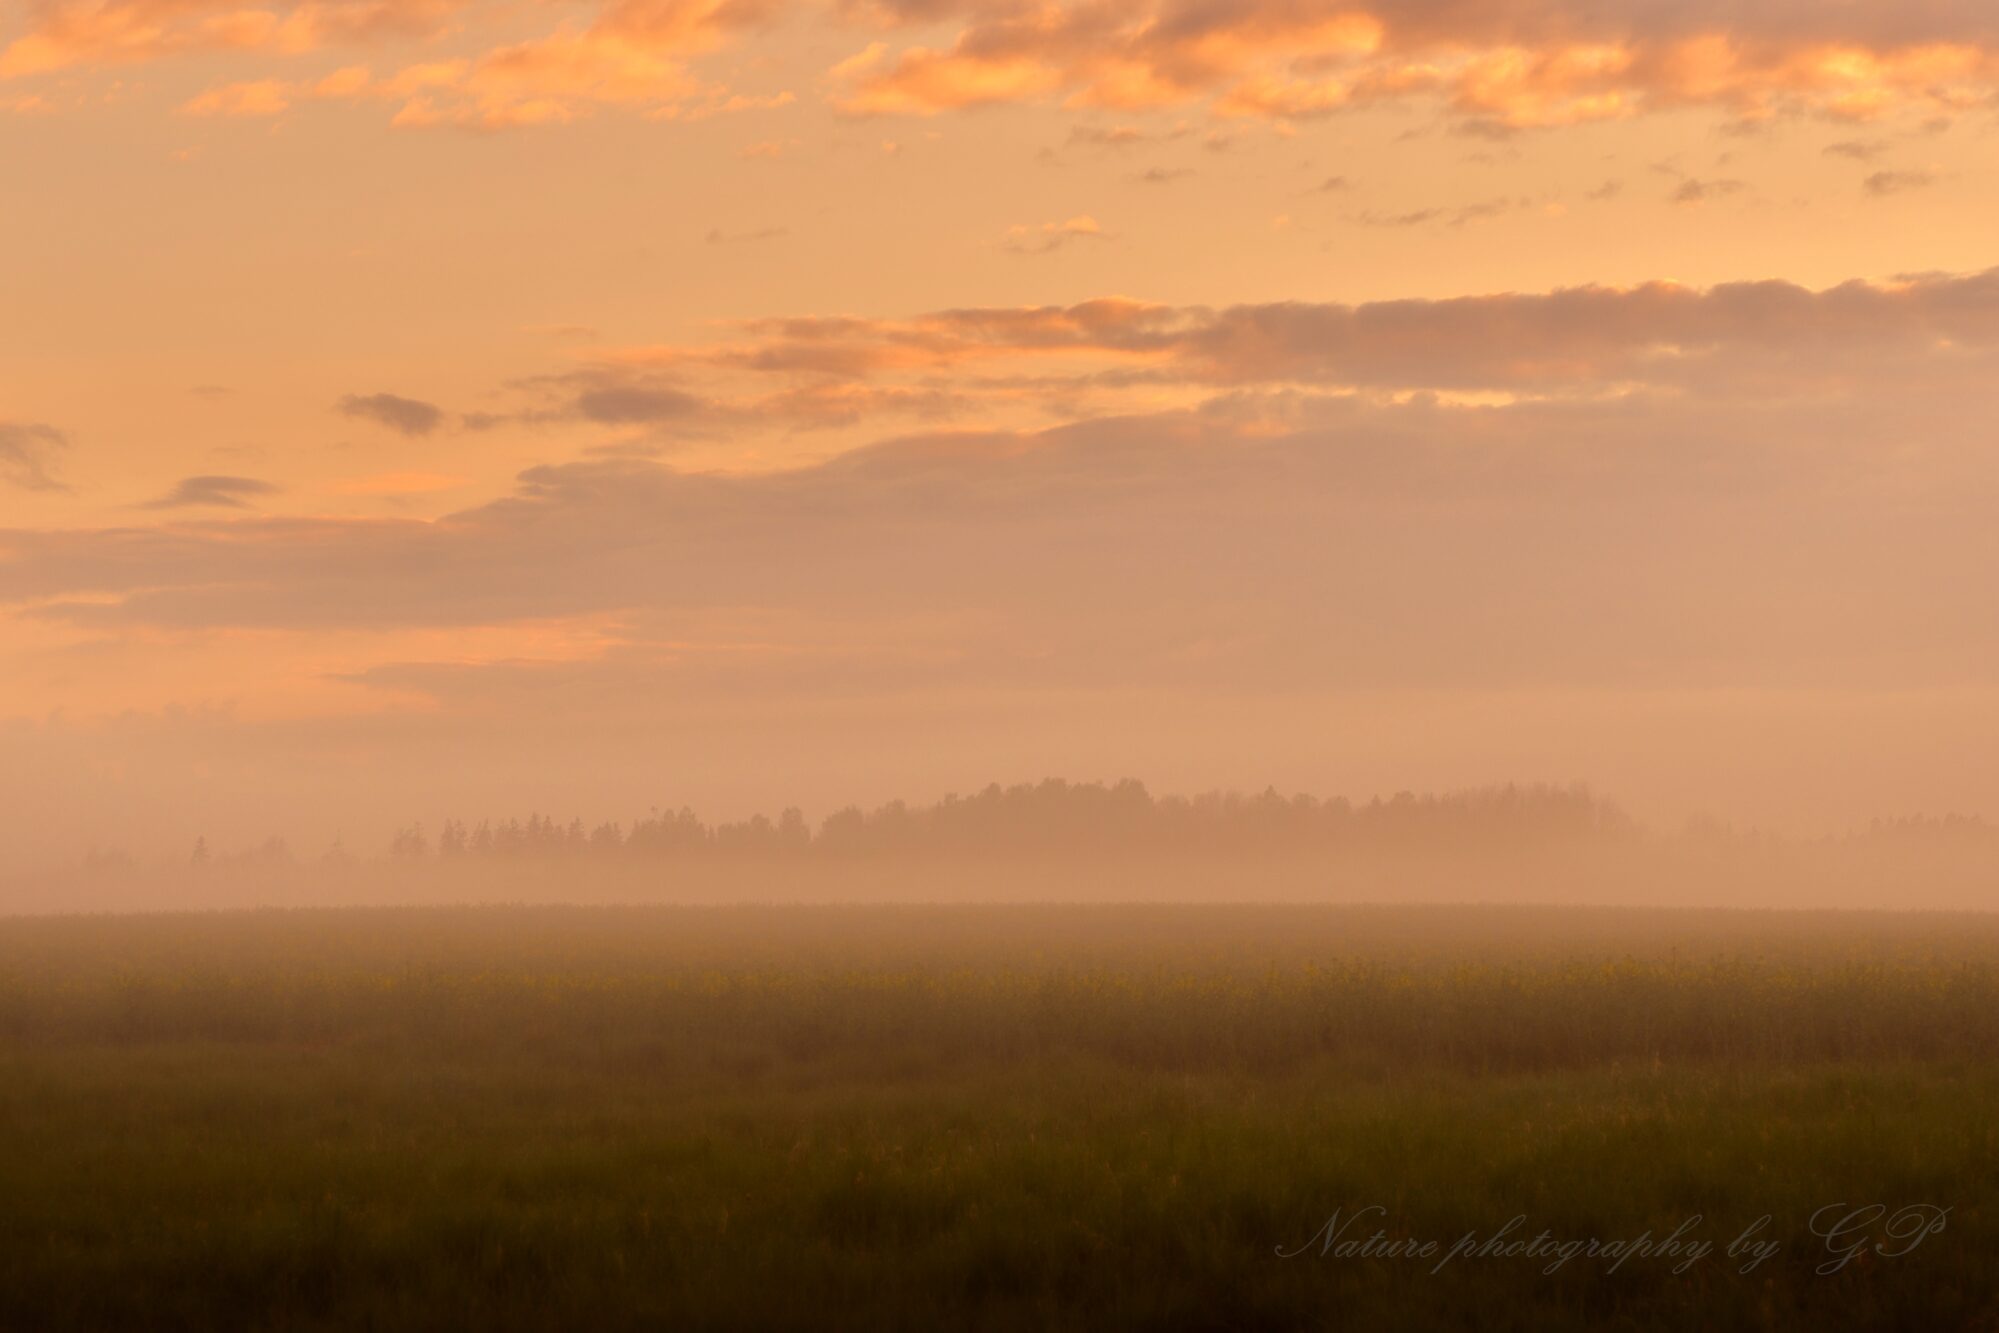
(1023, 1117)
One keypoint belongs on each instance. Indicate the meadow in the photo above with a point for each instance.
(993, 1117)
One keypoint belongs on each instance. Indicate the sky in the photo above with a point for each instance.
(425, 408)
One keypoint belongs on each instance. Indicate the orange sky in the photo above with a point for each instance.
(418, 407)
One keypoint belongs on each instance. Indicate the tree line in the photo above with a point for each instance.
(1053, 816)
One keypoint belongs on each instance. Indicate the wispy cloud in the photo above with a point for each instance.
(1701, 191)
(1883, 183)
(27, 455)
(408, 416)
(1460, 216)
(213, 492)
(264, 97)
(1022, 239)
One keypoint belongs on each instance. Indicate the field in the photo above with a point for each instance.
(1019, 1117)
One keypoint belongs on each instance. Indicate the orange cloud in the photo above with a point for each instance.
(62, 34)
(633, 53)
(265, 97)
(1022, 239)
(1511, 64)
(1577, 341)
(1248, 543)
(1504, 64)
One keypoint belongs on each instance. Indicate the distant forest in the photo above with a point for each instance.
(1052, 816)
(1064, 819)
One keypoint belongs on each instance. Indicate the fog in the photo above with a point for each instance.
(1057, 841)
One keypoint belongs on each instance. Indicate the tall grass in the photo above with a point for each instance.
(1163, 987)
(1036, 1118)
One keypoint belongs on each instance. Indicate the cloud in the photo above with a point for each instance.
(265, 97)
(1495, 67)
(407, 415)
(1115, 136)
(628, 404)
(1021, 239)
(1883, 183)
(1642, 489)
(1461, 216)
(27, 455)
(1860, 150)
(217, 492)
(350, 81)
(1020, 368)
(64, 34)
(1700, 191)
(1249, 543)
(631, 53)
(630, 396)
(1481, 212)
(1414, 218)
(1730, 346)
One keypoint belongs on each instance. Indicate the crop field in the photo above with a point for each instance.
(1029, 1117)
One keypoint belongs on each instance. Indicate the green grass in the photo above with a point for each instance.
(984, 1118)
